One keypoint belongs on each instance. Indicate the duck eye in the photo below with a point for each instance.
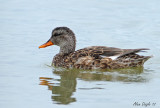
(57, 34)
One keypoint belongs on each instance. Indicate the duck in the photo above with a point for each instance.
(92, 57)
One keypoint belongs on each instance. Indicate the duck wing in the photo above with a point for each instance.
(103, 51)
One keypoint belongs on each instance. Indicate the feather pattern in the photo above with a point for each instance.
(101, 57)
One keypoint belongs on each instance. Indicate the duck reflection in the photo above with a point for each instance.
(62, 91)
(123, 75)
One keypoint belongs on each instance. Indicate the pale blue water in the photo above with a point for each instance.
(27, 80)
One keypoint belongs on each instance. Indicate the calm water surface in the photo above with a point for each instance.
(28, 81)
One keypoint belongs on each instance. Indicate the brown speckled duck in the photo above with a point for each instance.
(93, 57)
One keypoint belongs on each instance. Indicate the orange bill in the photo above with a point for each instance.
(48, 43)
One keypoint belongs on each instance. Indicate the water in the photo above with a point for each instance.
(26, 78)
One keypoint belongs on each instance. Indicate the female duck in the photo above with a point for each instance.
(94, 57)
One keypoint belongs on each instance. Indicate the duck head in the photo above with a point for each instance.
(62, 37)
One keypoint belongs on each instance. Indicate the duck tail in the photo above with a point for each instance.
(142, 60)
(133, 60)
(145, 58)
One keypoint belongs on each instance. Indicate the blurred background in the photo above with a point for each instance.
(28, 80)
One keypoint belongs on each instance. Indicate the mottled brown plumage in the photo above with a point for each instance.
(94, 57)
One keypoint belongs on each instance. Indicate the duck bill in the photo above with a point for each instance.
(48, 43)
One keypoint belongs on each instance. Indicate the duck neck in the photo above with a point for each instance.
(67, 49)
